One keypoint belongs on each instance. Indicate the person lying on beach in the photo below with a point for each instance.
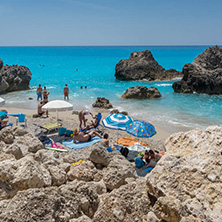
(45, 94)
(82, 137)
(40, 111)
(154, 155)
(82, 118)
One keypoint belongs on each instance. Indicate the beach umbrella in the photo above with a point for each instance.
(2, 101)
(117, 121)
(140, 129)
(58, 105)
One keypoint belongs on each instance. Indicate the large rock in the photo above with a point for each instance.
(203, 75)
(142, 65)
(141, 92)
(6, 135)
(13, 78)
(102, 102)
(187, 180)
(100, 156)
(1, 64)
(129, 203)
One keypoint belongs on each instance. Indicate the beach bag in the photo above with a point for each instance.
(139, 162)
(2, 115)
(124, 151)
(45, 140)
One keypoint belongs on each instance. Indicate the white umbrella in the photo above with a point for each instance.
(2, 101)
(58, 105)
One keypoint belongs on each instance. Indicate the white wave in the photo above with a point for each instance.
(164, 84)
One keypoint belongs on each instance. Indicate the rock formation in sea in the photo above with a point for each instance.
(203, 75)
(43, 185)
(141, 92)
(142, 65)
(14, 78)
(102, 102)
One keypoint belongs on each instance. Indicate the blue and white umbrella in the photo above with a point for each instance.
(117, 121)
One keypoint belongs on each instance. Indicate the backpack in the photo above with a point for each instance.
(139, 162)
(124, 151)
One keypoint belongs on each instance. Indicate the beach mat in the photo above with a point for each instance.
(56, 149)
(79, 145)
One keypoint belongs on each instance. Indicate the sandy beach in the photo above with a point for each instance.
(70, 121)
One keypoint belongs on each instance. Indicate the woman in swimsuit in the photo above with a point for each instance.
(82, 137)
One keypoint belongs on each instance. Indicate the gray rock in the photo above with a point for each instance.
(1, 64)
(203, 75)
(102, 102)
(141, 92)
(14, 150)
(100, 156)
(142, 65)
(13, 78)
(6, 135)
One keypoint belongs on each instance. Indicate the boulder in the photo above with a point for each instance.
(14, 78)
(142, 65)
(14, 150)
(141, 92)
(102, 102)
(82, 171)
(187, 180)
(6, 135)
(116, 111)
(1, 64)
(117, 171)
(203, 75)
(100, 156)
(128, 204)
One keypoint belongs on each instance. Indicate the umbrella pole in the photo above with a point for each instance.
(57, 115)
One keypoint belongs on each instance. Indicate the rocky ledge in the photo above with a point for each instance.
(141, 92)
(203, 75)
(42, 185)
(14, 78)
(142, 66)
(102, 102)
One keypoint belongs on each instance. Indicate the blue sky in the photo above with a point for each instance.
(110, 22)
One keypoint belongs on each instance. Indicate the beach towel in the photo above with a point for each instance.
(79, 145)
(128, 141)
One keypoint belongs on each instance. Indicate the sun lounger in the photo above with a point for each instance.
(52, 126)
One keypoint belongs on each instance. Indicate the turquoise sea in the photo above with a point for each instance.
(96, 69)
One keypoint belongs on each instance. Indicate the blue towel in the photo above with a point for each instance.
(79, 145)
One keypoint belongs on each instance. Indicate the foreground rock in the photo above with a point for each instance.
(141, 92)
(14, 78)
(102, 102)
(187, 181)
(203, 75)
(142, 65)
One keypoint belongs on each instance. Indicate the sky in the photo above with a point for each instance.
(110, 22)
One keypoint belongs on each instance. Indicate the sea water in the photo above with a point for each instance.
(94, 67)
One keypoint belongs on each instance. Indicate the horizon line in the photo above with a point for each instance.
(106, 45)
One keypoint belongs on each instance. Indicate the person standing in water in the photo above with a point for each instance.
(45, 94)
(66, 92)
(39, 92)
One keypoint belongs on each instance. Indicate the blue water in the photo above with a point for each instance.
(96, 69)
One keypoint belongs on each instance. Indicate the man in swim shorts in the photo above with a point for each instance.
(40, 111)
(66, 92)
(39, 92)
(45, 94)
(82, 137)
(82, 118)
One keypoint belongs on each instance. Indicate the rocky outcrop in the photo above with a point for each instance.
(141, 92)
(42, 185)
(187, 182)
(14, 78)
(142, 66)
(203, 75)
(103, 103)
